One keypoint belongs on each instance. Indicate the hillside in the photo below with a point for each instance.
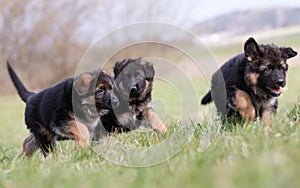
(242, 22)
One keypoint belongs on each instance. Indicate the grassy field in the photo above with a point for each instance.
(241, 157)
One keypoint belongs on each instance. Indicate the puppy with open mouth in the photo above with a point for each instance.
(69, 109)
(248, 85)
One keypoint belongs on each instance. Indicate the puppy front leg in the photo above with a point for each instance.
(266, 117)
(79, 132)
(127, 120)
(152, 118)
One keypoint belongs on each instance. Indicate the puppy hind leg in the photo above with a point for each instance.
(30, 145)
(243, 104)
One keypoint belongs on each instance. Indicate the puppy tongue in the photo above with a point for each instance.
(277, 91)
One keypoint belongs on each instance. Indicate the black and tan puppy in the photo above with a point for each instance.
(133, 85)
(68, 110)
(248, 85)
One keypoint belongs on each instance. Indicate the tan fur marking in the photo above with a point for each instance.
(266, 116)
(80, 132)
(82, 84)
(267, 63)
(155, 122)
(253, 78)
(283, 64)
(146, 90)
(244, 105)
(262, 49)
(101, 85)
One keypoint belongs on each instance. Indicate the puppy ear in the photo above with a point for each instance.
(288, 53)
(117, 68)
(82, 83)
(251, 49)
(149, 70)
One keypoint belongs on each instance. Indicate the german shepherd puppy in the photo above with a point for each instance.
(248, 85)
(133, 87)
(50, 113)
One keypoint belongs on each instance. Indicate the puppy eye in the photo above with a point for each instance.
(101, 89)
(268, 69)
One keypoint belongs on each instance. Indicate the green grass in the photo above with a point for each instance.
(241, 157)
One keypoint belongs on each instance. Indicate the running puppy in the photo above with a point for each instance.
(133, 85)
(50, 113)
(248, 85)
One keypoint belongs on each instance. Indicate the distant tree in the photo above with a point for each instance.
(45, 40)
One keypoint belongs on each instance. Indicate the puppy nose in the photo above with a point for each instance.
(133, 88)
(114, 101)
(281, 82)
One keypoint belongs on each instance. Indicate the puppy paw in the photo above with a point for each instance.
(267, 130)
(83, 143)
(127, 120)
(161, 128)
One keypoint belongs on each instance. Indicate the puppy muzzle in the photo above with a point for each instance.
(114, 101)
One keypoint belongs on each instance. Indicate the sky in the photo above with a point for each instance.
(184, 13)
(211, 8)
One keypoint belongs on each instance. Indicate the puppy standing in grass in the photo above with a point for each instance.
(133, 85)
(248, 85)
(50, 113)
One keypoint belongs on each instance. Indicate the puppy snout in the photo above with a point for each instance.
(281, 82)
(114, 101)
(98, 95)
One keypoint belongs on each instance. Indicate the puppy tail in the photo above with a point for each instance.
(207, 98)
(22, 91)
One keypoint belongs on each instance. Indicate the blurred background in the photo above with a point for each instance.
(45, 40)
